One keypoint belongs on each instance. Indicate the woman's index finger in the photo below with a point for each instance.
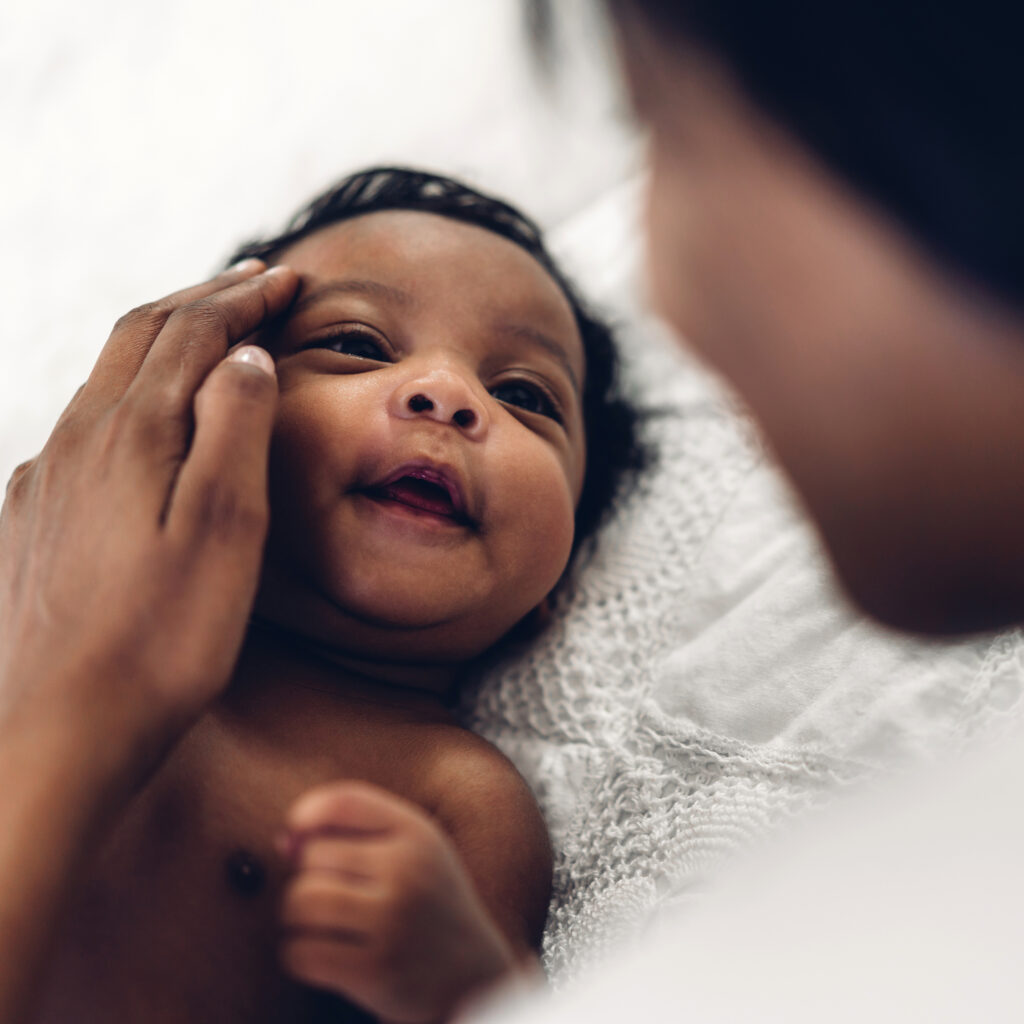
(135, 332)
(197, 336)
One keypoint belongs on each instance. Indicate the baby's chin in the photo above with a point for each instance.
(407, 632)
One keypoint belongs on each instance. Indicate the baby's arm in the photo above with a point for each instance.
(389, 910)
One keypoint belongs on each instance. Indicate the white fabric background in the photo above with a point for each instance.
(143, 140)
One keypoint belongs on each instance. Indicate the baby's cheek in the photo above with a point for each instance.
(308, 471)
(548, 515)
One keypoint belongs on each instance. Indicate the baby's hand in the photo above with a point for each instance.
(380, 908)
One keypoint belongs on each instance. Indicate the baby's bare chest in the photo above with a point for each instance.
(177, 919)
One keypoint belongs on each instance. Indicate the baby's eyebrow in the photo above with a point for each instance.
(353, 286)
(530, 334)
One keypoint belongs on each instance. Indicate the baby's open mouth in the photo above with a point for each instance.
(424, 495)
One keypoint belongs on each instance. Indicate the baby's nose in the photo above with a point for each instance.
(443, 396)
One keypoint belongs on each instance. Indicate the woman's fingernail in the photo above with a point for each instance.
(254, 356)
(278, 270)
(244, 266)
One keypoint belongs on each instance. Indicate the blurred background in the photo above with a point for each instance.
(145, 140)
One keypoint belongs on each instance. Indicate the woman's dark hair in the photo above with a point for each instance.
(917, 105)
(614, 448)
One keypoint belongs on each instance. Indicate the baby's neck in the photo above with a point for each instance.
(288, 670)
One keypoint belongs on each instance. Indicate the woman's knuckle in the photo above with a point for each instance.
(123, 419)
(65, 437)
(150, 316)
(139, 424)
(203, 315)
(18, 482)
(76, 398)
(23, 469)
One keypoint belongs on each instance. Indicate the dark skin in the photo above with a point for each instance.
(390, 891)
(323, 825)
(889, 388)
(93, 696)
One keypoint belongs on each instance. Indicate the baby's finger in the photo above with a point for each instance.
(329, 961)
(358, 863)
(135, 332)
(321, 903)
(358, 809)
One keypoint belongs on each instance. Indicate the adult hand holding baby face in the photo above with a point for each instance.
(129, 556)
(130, 547)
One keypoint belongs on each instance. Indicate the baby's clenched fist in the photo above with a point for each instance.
(380, 909)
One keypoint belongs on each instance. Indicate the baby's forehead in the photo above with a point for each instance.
(426, 249)
(428, 256)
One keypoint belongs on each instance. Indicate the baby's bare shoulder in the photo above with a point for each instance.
(476, 788)
(492, 816)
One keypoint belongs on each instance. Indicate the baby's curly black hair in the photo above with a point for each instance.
(614, 448)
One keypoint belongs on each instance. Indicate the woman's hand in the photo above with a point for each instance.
(129, 555)
(130, 547)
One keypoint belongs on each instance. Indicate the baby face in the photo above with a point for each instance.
(429, 449)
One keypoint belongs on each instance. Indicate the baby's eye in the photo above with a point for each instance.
(353, 342)
(525, 395)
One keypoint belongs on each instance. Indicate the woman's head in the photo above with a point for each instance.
(448, 425)
(834, 224)
(916, 107)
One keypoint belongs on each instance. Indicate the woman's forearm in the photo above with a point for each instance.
(60, 787)
(130, 551)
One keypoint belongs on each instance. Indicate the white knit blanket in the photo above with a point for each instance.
(703, 680)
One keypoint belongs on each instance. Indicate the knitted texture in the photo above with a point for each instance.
(666, 719)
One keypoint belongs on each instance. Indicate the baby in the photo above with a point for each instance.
(326, 843)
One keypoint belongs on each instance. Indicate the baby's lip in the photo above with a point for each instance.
(440, 475)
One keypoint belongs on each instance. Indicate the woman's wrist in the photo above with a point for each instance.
(63, 781)
(89, 757)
